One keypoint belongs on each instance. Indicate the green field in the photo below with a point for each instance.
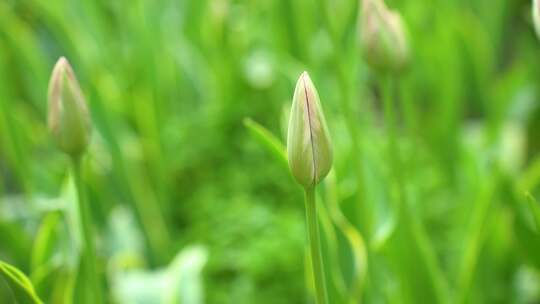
(433, 196)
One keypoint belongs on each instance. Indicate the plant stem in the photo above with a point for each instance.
(88, 251)
(315, 247)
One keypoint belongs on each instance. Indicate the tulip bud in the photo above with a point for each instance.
(383, 37)
(536, 16)
(68, 121)
(308, 142)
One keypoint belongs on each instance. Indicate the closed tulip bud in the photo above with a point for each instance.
(383, 37)
(69, 120)
(536, 16)
(308, 142)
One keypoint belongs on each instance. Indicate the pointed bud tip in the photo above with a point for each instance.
(61, 64)
(305, 81)
(62, 60)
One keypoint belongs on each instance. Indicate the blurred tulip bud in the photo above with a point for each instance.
(536, 16)
(308, 143)
(69, 120)
(383, 37)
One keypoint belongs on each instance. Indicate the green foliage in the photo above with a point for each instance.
(425, 205)
(20, 286)
(535, 211)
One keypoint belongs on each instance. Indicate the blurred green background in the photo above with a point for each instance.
(175, 169)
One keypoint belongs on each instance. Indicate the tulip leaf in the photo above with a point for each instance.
(353, 237)
(266, 138)
(535, 210)
(19, 284)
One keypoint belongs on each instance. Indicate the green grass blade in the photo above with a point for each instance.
(535, 210)
(20, 285)
(267, 139)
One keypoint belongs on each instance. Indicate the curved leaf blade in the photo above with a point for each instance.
(20, 285)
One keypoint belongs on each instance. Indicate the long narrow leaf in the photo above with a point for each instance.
(535, 210)
(20, 285)
(269, 140)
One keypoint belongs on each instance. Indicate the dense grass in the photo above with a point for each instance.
(175, 170)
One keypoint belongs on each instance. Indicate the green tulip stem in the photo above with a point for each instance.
(315, 246)
(88, 250)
